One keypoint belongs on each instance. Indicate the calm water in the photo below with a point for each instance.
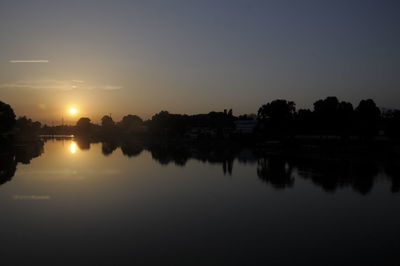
(81, 204)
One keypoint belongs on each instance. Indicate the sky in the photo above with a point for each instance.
(141, 57)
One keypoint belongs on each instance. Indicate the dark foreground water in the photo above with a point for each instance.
(95, 204)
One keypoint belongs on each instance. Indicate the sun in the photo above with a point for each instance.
(73, 111)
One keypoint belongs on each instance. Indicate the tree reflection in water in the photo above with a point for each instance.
(107, 148)
(8, 166)
(131, 149)
(275, 171)
(10, 156)
(278, 170)
(330, 173)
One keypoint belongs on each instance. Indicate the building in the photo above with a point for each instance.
(245, 126)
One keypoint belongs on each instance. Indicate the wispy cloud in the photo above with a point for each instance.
(29, 61)
(57, 85)
(47, 84)
(111, 88)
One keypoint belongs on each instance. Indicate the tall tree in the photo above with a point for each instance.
(107, 122)
(332, 117)
(7, 117)
(277, 117)
(84, 126)
(392, 122)
(130, 122)
(368, 117)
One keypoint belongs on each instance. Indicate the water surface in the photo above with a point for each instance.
(78, 203)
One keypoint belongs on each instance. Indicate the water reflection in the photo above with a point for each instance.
(83, 143)
(330, 173)
(73, 147)
(10, 156)
(278, 170)
(8, 166)
(131, 148)
(179, 155)
(275, 171)
(107, 148)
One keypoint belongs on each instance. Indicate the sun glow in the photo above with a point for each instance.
(73, 147)
(73, 111)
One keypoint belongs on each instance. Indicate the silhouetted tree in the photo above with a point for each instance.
(332, 117)
(367, 118)
(84, 126)
(107, 122)
(325, 112)
(304, 122)
(108, 129)
(7, 117)
(345, 118)
(392, 121)
(277, 117)
(171, 125)
(131, 124)
(27, 129)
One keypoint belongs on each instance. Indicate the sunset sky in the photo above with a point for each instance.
(186, 56)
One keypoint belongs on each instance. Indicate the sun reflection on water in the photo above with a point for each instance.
(73, 147)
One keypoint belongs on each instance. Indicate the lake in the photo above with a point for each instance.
(76, 203)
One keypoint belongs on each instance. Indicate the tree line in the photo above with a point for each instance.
(274, 120)
(328, 117)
